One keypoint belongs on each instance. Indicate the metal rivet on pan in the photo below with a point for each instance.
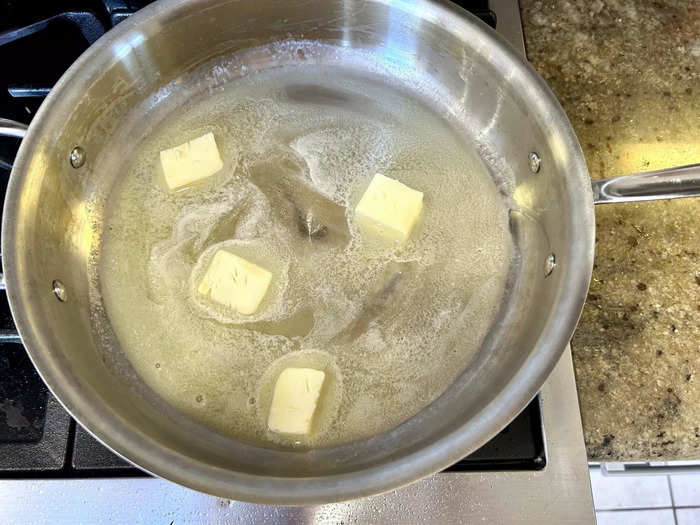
(59, 290)
(77, 157)
(549, 264)
(534, 162)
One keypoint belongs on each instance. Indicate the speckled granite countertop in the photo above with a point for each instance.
(627, 75)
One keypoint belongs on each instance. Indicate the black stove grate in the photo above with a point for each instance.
(23, 398)
(38, 42)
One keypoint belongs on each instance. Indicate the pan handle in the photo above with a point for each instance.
(671, 183)
(11, 128)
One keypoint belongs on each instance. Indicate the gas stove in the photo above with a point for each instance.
(53, 463)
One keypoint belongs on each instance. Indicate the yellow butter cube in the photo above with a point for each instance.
(294, 400)
(235, 283)
(389, 209)
(190, 162)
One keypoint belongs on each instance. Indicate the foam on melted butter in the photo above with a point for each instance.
(390, 326)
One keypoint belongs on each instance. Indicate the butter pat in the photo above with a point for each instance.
(190, 162)
(389, 209)
(294, 401)
(235, 283)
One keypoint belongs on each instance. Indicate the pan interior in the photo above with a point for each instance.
(300, 134)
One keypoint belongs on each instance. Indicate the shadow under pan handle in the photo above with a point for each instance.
(671, 183)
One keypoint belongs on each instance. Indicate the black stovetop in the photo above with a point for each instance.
(38, 41)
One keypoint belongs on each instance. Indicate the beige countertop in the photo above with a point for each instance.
(627, 75)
